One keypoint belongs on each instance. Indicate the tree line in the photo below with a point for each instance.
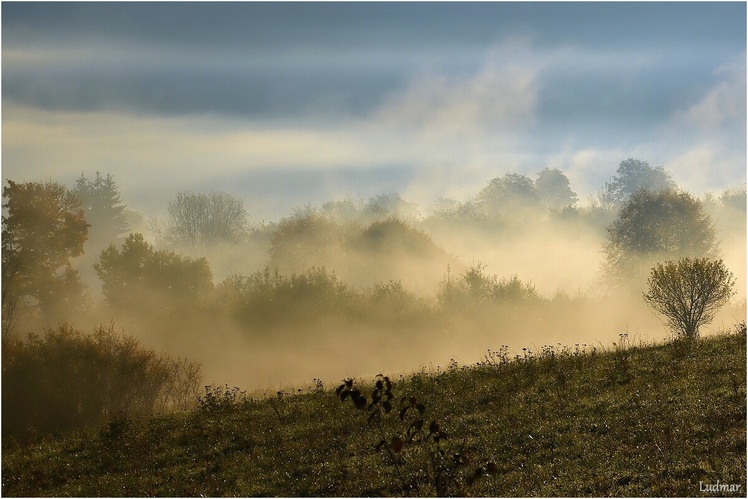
(46, 227)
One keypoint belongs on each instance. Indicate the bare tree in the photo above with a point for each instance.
(199, 221)
(688, 292)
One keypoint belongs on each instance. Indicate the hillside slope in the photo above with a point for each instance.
(641, 420)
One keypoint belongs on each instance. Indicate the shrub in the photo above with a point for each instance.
(266, 298)
(66, 379)
(142, 281)
(476, 287)
(689, 292)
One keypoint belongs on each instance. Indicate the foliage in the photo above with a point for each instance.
(734, 199)
(307, 240)
(385, 249)
(553, 190)
(728, 211)
(141, 281)
(505, 194)
(266, 298)
(634, 175)
(198, 222)
(392, 205)
(689, 292)
(561, 422)
(43, 227)
(448, 464)
(66, 379)
(344, 210)
(101, 201)
(218, 399)
(474, 287)
(653, 226)
(393, 235)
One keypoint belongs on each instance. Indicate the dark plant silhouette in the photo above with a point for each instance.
(689, 292)
(451, 465)
(43, 227)
(67, 379)
(653, 226)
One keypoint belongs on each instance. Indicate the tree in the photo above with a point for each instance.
(198, 222)
(308, 239)
(633, 176)
(654, 226)
(507, 193)
(343, 210)
(103, 209)
(729, 212)
(689, 292)
(552, 188)
(43, 227)
(391, 205)
(140, 280)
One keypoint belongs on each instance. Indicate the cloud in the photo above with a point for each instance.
(499, 96)
(708, 137)
(193, 145)
(723, 105)
(450, 128)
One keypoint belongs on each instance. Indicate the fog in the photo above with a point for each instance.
(352, 288)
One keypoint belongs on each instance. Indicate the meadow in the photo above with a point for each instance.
(632, 419)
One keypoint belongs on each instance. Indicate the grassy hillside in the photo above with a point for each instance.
(630, 421)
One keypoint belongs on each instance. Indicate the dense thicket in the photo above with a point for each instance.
(141, 281)
(66, 379)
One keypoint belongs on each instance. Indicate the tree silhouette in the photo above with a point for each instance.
(102, 204)
(632, 176)
(391, 205)
(653, 226)
(508, 193)
(140, 280)
(552, 188)
(689, 292)
(308, 239)
(198, 222)
(43, 227)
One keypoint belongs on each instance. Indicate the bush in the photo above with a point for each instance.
(474, 287)
(66, 379)
(689, 292)
(266, 298)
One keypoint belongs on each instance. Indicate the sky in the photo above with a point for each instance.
(284, 104)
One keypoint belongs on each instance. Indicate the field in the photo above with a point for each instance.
(630, 420)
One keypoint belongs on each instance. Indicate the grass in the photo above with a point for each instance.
(628, 421)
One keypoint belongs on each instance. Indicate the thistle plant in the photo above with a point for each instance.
(413, 441)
